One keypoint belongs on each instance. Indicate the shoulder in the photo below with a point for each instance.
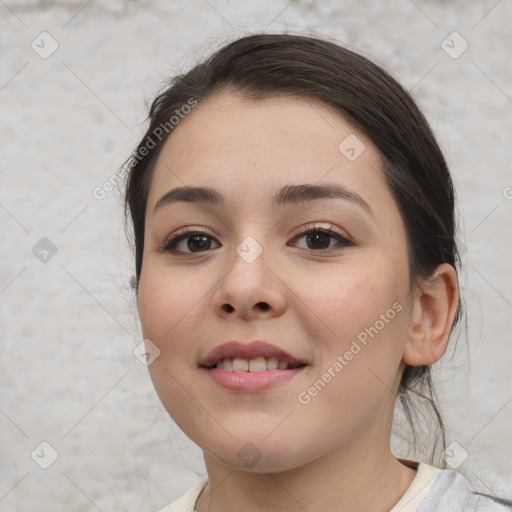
(452, 492)
(186, 503)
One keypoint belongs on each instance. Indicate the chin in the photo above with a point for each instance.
(259, 456)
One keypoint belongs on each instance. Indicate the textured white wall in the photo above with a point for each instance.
(68, 326)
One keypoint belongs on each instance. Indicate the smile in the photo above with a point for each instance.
(258, 364)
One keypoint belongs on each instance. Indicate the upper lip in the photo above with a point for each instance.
(236, 349)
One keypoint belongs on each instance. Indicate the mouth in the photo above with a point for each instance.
(256, 356)
(250, 367)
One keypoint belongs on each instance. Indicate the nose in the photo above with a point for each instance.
(249, 290)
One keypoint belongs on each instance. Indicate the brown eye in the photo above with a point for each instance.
(189, 243)
(321, 239)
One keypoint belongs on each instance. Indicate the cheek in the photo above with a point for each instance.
(169, 304)
(351, 300)
(362, 334)
(363, 330)
(170, 310)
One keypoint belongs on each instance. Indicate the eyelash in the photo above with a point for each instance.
(170, 244)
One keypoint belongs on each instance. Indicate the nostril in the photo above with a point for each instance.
(264, 306)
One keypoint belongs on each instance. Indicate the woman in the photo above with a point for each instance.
(296, 273)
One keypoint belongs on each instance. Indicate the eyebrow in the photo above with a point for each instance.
(287, 195)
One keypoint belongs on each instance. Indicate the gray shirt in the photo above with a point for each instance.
(451, 492)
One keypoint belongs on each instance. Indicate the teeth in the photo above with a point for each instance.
(240, 365)
(272, 363)
(258, 364)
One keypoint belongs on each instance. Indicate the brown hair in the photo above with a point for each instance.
(269, 65)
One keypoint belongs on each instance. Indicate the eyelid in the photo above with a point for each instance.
(312, 226)
(191, 230)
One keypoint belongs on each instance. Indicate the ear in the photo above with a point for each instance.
(434, 307)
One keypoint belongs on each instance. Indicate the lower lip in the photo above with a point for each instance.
(251, 381)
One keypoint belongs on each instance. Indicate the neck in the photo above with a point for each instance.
(362, 477)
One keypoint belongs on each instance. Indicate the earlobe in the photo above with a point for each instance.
(434, 308)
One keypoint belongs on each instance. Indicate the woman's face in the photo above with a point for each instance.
(319, 273)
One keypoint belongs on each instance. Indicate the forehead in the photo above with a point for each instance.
(250, 148)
